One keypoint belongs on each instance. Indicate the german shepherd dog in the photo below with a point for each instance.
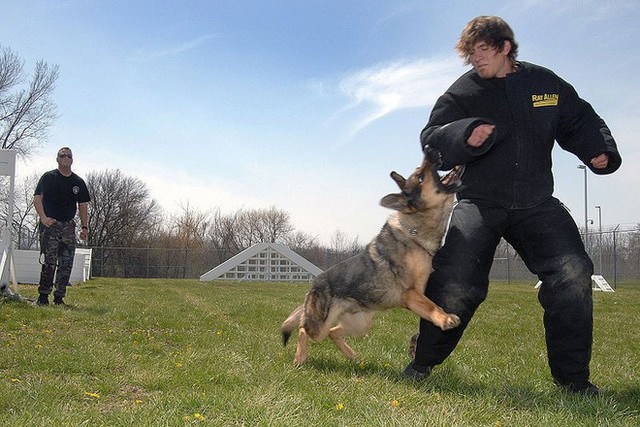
(392, 271)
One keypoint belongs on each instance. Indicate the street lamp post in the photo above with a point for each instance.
(600, 236)
(586, 210)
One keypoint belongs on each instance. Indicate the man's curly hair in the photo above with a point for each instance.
(492, 30)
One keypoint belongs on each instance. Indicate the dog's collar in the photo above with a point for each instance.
(411, 231)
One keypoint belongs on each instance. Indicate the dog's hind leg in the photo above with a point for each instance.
(302, 349)
(351, 324)
(428, 310)
(337, 334)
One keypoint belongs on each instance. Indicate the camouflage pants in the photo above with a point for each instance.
(57, 249)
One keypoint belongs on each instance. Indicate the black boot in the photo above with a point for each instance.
(581, 387)
(43, 299)
(58, 300)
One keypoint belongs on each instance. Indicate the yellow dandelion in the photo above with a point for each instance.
(395, 403)
(498, 423)
(198, 416)
(362, 365)
(218, 332)
(138, 401)
(178, 365)
(339, 406)
(15, 380)
(48, 331)
(94, 395)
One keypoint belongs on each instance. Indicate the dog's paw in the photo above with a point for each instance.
(451, 321)
(413, 343)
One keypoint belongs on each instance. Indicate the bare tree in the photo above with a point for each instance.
(25, 114)
(341, 247)
(25, 217)
(276, 224)
(308, 247)
(270, 225)
(24, 223)
(189, 227)
(121, 211)
(222, 234)
(248, 228)
(299, 240)
(341, 244)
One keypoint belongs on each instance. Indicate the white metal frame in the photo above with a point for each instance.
(7, 270)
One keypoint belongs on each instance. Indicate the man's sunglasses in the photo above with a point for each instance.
(62, 156)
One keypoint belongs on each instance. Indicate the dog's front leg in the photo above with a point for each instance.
(428, 310)
(302, 348)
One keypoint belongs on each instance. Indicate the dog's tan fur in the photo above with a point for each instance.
(391, 272)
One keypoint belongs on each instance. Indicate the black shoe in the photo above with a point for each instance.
(584, 388)
(417, 372)
(58, 301)
(43, 299)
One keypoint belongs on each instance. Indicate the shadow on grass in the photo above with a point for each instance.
(629, 397)
(447, 381)
(30, 304)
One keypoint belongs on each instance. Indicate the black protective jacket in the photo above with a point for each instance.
(531, 109)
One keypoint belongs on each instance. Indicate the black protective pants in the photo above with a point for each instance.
(547, 239)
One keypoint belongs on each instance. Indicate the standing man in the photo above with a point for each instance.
(56, 197)
(500, 119)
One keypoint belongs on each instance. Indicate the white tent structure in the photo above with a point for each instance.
(264, 262)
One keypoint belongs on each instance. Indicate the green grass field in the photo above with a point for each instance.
(179, 352)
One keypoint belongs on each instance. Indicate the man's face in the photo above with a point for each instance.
(488, 61)
(65, 157)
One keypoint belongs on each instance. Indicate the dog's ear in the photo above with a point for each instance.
(399, 179)
(396, 202)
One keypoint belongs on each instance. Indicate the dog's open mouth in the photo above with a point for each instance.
(450, 181)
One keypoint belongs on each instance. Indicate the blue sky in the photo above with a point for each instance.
(304, 105)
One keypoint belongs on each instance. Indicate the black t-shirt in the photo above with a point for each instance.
(61, 194)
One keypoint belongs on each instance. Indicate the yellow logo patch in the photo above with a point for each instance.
(545, 100)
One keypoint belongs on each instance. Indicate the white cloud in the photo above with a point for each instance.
(384, 88)
(175, 49)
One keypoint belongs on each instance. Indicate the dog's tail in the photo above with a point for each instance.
(292, 322)
(311, 315)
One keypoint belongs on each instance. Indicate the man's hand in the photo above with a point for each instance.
(480, 134)
(601, 161)
(48, 222)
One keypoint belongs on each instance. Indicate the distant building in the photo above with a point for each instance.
(272, 262)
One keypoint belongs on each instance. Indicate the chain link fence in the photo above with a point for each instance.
(615, 254)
